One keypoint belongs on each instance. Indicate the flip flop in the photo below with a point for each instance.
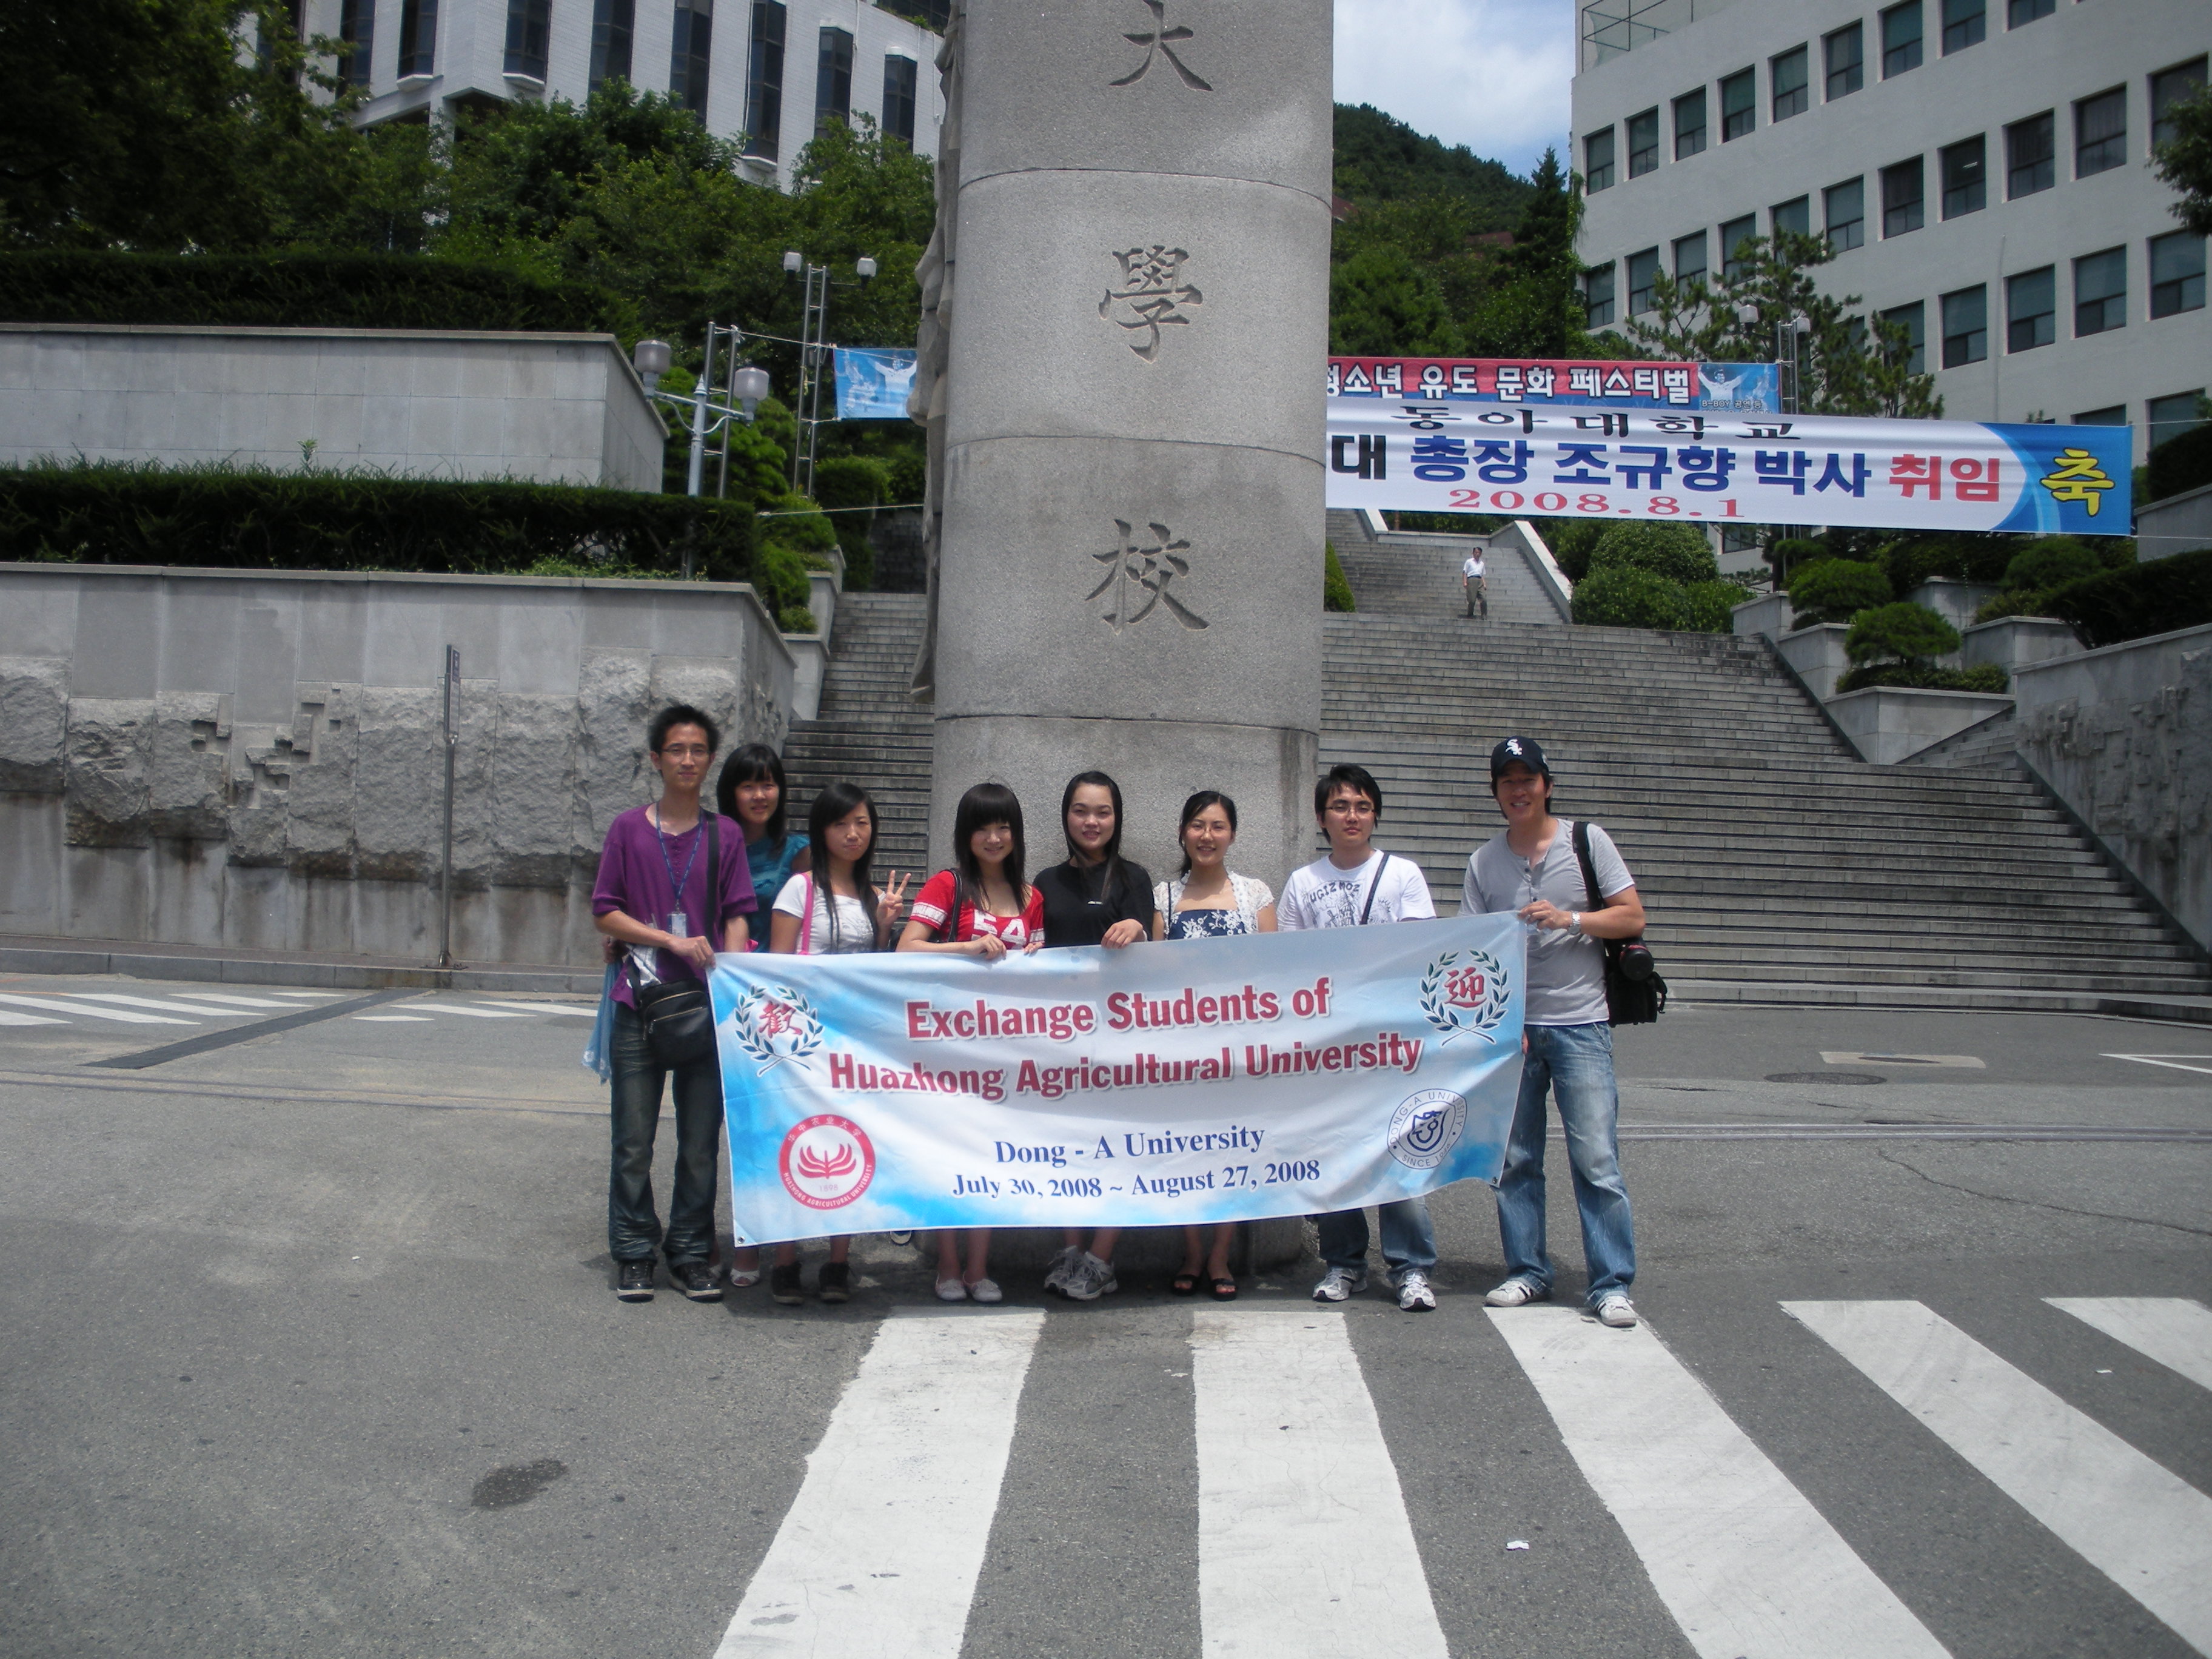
(1224, 1290)
(1184, 1283)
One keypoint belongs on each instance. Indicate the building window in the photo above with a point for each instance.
(1965, 327)
(1904, 202)
(1845, 207)
(1690, 258)
(1644, 144)
(528, 22)
(1689, 124)
(2116, 415)
(1597, 296)
(833, 78)
(1733, 235)
(1900, 39)
(418, 37)
(2026, 11)
(2031, 309)
(2177, 274)
(1842, 55)
(2100, 132)
(1792, 218)
(764, 82)
(1788, 82)
(1965, 185)
(690, 55)
(357, 30)
(1913, 319)
(1597, 162)
(614, 26)
(1738, 104)
(2168, 88)
(2172, 416)
(1643, 272)
(1965, 24)
(898, 98)
(2030, 153)
(2100, 292)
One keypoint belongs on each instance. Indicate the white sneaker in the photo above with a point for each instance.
(952, 1290)
(1414, 1293)
(986, 1290)
(1516, 1291)
(1616, 1311)
(1056, 1275)
(1340, 1284)
(1088, 1280)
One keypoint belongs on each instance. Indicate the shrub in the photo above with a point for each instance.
(2180, 463)
(1903, 632)
(1835, 590)
(1970, 556)
(1709, 607)
(2014, 602)
(854, 481)
(1570, 541)
(1626, 596)
(1791, 551)
(2157, 598)
(1981, 676)
(1675, 552)
(2050, 563)
(1335, 591)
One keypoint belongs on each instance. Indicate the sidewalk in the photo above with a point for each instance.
(42, 954)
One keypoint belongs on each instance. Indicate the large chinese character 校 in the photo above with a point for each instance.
(1139, 574)
(1158, 40)
(1151, 294)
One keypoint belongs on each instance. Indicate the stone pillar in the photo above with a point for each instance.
(1128, 571)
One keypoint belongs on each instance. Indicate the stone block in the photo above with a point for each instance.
(260, 797)
(2013, 643)
(1891, 722)
(2178, 523)
(614, 702)
(107, 757)
(532, 783)
(1769, 614)
(188, 791)
(400, 783)
(319, 825)
(34, 722)
(1817, 654)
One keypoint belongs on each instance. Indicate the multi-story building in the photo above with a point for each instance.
(771, 70)
(1981, 168)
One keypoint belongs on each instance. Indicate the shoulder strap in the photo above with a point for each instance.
(1368, 909)
(1582, 857)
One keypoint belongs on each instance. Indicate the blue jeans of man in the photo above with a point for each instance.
(1409, 1238)
(633, 1230)
(1574, 1064)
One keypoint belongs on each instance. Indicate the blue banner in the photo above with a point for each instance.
(1198, 1081)
(872, 385)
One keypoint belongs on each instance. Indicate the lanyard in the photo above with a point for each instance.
(660, 839)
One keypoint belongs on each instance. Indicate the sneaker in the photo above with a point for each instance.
(834, 1283)
(1616, 1311)
(986, 1290)
(1088, 1280)
(633, 1280)
(696, 1280)
(1414, 1294)
(1340, 1284)
(784, 1286)
(952, 1290)
(1061, 1268)
(1516, 1291)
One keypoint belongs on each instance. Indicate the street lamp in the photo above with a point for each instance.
(747, 386)
(814, 343)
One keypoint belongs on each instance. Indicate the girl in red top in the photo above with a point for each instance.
(981, 907)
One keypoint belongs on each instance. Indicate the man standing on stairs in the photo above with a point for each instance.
(1470, 578)
(1531, 869)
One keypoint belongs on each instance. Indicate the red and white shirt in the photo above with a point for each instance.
(932, 906)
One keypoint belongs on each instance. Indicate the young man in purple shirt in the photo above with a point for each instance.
(657, 895)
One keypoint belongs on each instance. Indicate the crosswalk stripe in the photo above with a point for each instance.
(93, 1010)
(877, 1556)
(2146, 1529)
(8, 1017)
(2171, 1329)
(122, 1001)
(466, 1008)
(242, 1002)
(1304, 1545)
(1746, 1565)
(547, 1008)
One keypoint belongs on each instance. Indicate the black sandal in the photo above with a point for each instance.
(1184, 1283)
(1224, 1290)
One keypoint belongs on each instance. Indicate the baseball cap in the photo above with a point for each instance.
(1527, 751)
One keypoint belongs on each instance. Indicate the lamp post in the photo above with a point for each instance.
(747, 386)
(813, 345)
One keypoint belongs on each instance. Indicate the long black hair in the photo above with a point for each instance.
(984, 804)
(833, 803)
(1113, 857)
(1191, 808)
(750, 764)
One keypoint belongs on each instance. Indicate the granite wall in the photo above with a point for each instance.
(256, 759)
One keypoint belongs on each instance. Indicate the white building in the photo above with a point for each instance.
(1980, 165)
(771, 69)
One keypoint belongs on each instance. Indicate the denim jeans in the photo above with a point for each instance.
(1575, 1063)
(1409, 1238)
(633, 1227)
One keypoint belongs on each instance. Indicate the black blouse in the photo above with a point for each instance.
(1079, 908)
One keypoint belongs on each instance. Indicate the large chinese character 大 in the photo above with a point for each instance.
(1138, 573)
(1160, 40)
(1152, 294)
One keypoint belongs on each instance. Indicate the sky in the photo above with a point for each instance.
(1489, 74)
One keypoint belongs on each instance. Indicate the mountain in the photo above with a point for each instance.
(1380, 159)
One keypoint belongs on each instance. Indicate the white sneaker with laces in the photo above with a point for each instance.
(1515, 1292)
(1415, 1295)
(952, 1290)
(1616, 1311)
(986, 1291)
(1088, 1280)
(1340, 1284)
(1056, 1275)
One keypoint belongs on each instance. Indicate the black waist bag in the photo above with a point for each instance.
(1635, 994)
(679, 1024)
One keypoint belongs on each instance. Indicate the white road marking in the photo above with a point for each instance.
(122, 1015)
(592, 1012)
(397, 1019)
(466, 1008)
(2171, 1329)
(220, 996)
(2172, 1062)
(120, 1000)
(2145, 1528)
(1843, 1057)
(1746, 1565)
(9, 1019)
(877, 1556)
(1304, 1545)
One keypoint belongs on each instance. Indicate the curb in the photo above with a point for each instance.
(305, 974)
(1939, 999)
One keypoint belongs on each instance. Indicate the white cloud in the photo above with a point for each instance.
(1492, 75)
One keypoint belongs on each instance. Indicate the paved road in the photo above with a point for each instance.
(310, 1349)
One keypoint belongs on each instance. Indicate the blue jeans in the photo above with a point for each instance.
(1409, 1238)
(633, 1227)
(1575, 1063)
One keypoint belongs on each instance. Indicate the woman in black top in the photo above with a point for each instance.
(1097, 898)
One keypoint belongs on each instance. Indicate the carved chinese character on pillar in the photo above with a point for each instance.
(1161, 40)
(1138, 573)
(1152, 293)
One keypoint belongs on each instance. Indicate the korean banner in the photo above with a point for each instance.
(1203, 1080)
(1736, 388)
(1695, 466)
(873, 385)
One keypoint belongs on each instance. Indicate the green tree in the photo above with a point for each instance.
(1533, 306)
(2184, 161)
(1381, 302)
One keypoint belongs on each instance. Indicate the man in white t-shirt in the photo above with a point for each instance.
(1470, 578)
(1356, 884)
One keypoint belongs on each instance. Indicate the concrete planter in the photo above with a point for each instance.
(810, 657)
(1769, 615)
(2178, 524)
(2013, 643)
(1817, 654)
(1892, 722)
(823, 587)
(1955, 601)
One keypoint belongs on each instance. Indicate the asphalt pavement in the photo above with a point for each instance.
(311, 1348)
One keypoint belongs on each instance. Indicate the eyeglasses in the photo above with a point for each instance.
(685, 751)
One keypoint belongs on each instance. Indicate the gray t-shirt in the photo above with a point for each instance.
(1566, 971)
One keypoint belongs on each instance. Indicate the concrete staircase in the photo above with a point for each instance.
(1406, 574)
(1991, 744)
(868, 731)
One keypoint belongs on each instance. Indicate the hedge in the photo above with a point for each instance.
(2178, 464)
(293, 290)
(1335, 587)
(1827, 590)
(2158, 597)
(1674, 551)
(1626, 596)
(856, 483)
(1981, 676)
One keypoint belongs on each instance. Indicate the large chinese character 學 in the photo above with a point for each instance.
(1139, 575)
(1153, 293)
(2077, 478)
(1159, 40)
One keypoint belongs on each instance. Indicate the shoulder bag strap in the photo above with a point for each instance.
(713, 880)
(1589, 871)
(1368, 909)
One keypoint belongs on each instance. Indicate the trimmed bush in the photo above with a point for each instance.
(2157, 598)
(1835, 590)
(1335, 590)
(1791, 551)
(1903, 632)
(795, 537)
(293, 290)
(1570, 541)
(1981, 676)
(1709, 607)
(1675, 552)
(2051, 563)
(2181, 463)
(1626, 596)
(854, 481)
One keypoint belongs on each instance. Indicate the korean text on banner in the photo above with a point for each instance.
(1737, 386)
(873, 385)
(1694, 466)
(1206, 1080)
